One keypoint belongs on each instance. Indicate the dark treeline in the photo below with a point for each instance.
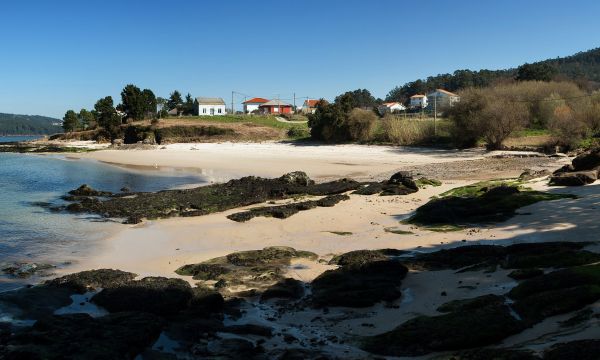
(136, 104)
(11, 124)
(583, 68)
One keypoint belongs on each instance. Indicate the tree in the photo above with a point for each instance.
(360, 98)
(536, 71)
(107, 116)
(70, 121)
(133, 102)
(188, 105)
(87, 119)
(175, 101)
(150, 103)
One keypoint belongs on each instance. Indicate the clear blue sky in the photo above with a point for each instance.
(58, 55)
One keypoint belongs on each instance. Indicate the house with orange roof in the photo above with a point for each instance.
(390, 107)
(442, 99)
(418, 101)
(253, 104)
(310, 106)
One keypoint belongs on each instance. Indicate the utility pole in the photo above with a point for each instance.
(232, 112)
(294, 102)
(434, 113)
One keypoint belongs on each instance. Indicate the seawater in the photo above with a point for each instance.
(30, 233)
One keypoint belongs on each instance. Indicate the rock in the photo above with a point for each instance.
(405, 178)
(471, 304)
(232, 348)
(25, 270)
(84, 281)
(359, 285)
(32, 303)
(125, 189)
(580, 350)
(533, 174)
(156, 295)
(587, 161)
(578, 178)
(357, 258)
(495, 354)
(249, 329)
(287, 288)
(564, 169)
(522, 274)
(206, 301)
(85, 190)
(255, 269)
(287, 210)
(115, 336)
(297, 178)
(478, 326)
(303, 354)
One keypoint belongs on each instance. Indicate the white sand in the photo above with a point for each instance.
(274, 159)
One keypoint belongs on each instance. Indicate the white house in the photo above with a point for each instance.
(442, 99)
(210, 106)
(391, 107)
(418, 101)
(253, 104)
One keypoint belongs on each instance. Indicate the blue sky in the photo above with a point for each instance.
(58, 55)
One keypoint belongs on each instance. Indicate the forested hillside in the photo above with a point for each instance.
(582, 67)
(11, 124)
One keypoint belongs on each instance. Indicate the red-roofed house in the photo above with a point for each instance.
(253, 104)
(275, 107)
(310, 106)
(391, 107)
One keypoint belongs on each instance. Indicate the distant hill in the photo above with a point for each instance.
(582, 67)
(11, 124)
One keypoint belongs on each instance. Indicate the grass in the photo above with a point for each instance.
(262, 120)
(531, 132)
(397, 231)
(476, 189)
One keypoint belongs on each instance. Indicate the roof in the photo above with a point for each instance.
(311, 102)
(446, 92)
(255, 100)
(389, 104)
(417, 96)
(210, 101)
(275, 103)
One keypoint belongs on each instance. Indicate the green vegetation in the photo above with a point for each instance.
(340, 233)
(11, 124)
(397, 231)
(70, 121)
(262, 120)
(424, 182)
(481, 203)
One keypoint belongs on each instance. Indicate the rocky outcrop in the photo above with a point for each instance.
(582, 171)
(253, 269)
(363, 280)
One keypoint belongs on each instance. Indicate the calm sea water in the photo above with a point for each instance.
(29, 233)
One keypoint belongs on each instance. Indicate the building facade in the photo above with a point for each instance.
(253, 104)
(418, 101)
(211, 106)
(276, 107)
(442, 99)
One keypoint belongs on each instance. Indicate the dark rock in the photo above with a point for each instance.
(249, 329)
(359, 285)
(125, 189)
(303, 354)
(357, 257)
(564, 169)
(25, 270)
(578, 178)
(522, 274)
(587, 161)
(476, 327)
(92, 279)
(115, 336)
(297, 178)
(404, 178)
(470, 304)
(206, 301)
(580, 350)
(85, 190)
(255, 269)
(287, 210)
(287, 288)
(232, 348)
(35, 302)
(495, 354)
(157, 295)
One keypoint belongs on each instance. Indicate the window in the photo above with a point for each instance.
(204, 111)
(219, 110)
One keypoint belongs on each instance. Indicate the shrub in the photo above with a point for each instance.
(406, 132)
(566, 129)
(297, 132)
(361, 125)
